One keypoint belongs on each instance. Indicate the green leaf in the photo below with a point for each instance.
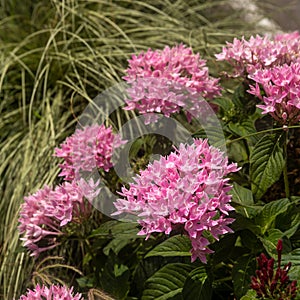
(237, 152)
(118, 243)
(119, 270)
(289, 221)
(224, 102)
(178, 245)
(269, 213)
(118, 235)
(241, 195)
(86, 281)
(244, 199)
(294, 258)
(295, 222)
(198, 285)
(243, 129)
(251, 295)
(266, 164)
(167, 282)
(241, 274)
(113, 228)
(270, 241)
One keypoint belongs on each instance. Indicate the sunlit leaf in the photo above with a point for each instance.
(266, 164)
(269, 213)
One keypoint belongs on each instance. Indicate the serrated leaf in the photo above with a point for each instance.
(270, 242)
(167, 282)
(266, 164)
(198, 285)
(269, 213)
(294, 258)
(178, 245)
(241, 195)
(293, 226)
(251, 295)
(241, 274)
(289, 221)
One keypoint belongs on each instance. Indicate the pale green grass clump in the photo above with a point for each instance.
(55, 57)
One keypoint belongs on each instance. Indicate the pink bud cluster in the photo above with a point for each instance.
(166, 80)
(87, 149)
(185, 190)
(44, 213)
(248, 56)
(273, 285)
(54, 292)
(279, 90)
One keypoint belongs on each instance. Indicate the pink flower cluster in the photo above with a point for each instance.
(280, 92)
(44, 213)
(54, 292)
(185, 190)
(247, 56)
(166, 80)
(86, 150)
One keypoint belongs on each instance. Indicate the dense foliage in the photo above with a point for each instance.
(205, 195)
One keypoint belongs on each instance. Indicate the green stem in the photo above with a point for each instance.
(285, 170)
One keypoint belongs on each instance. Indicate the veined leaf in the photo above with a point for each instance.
(167, 282)
(241, 195)
(270, 211)
(198, 285)
(266, 164)
(177, 245)
(270, 241)
(244, 199)
(294, 258)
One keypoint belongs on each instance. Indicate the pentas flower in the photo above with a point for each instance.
(186, 192)
(166, 80)
(279, 90)
(54, 292)
(44, 213)
(87, 149)
(273, 285)
(248, 56)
